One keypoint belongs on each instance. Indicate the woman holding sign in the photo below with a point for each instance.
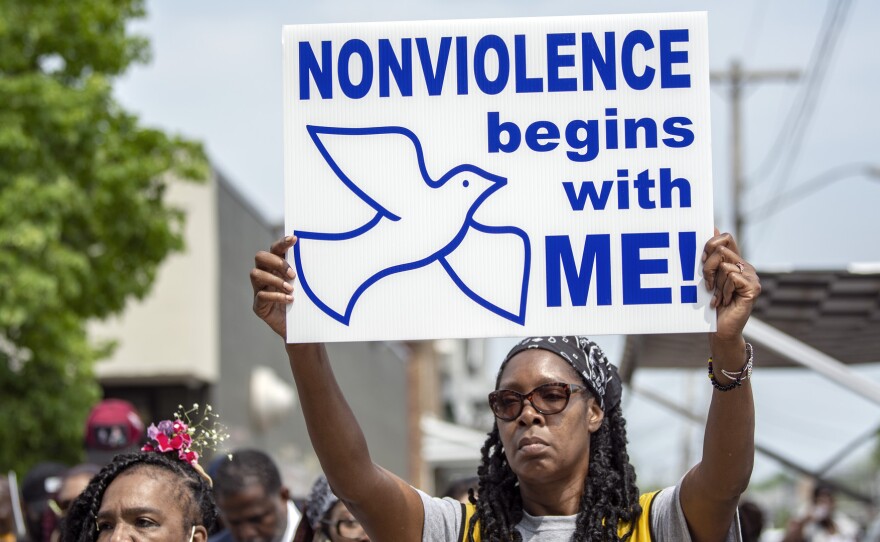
(555, 465)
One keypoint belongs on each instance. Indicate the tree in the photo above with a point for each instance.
(83, 222)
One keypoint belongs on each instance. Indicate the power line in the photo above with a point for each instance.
(787, 145)
(835, 17)
(798, 193)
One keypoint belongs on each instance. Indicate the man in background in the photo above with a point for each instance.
(254, 505)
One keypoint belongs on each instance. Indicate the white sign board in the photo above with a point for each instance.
(503, 177)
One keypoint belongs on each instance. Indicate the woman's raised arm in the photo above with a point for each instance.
(388, 507)
(710, 491)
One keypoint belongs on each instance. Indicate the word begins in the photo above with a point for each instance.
(584, 138)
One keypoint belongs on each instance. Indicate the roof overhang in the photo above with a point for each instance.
(834, 312)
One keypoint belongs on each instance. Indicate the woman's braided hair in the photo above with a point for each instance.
(610, 494)
(193, 492)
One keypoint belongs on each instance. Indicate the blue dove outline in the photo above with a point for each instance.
(382, 212)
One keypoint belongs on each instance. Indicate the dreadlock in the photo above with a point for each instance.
(194, 493)
(610, 493)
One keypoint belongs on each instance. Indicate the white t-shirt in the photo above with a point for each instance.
(847, 530)
(443, 520)
(293, 519)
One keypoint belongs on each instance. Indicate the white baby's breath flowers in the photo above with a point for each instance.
(203, 426)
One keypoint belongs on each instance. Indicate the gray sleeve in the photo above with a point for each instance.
(668, 522)
(442, 519)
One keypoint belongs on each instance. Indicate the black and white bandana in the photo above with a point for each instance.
(585, 356)
(321, 499)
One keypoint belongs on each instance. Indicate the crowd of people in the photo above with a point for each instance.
(554, 467)
(241, 497)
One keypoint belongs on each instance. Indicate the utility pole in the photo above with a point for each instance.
(737, 78)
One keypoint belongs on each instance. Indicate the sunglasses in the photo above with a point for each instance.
(548, 399)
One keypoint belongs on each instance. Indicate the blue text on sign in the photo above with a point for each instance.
(573, 62)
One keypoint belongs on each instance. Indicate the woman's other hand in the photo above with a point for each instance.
(734, 283)
(271, 280)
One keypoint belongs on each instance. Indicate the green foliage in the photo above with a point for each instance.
(83, 223)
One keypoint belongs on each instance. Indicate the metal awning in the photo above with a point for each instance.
(835, 312)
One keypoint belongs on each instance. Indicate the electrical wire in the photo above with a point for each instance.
(787, 145)
(789, 141)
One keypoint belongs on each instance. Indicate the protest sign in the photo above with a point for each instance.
(502, 177)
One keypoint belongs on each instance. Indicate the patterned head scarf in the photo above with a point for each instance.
(321, 500)
(587, 359)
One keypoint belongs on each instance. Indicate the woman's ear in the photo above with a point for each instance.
(200, 534)
(594, 415)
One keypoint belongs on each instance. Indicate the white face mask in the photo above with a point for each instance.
(822, 511)
(192, 534)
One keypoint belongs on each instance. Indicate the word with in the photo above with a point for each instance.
(585, 136)
(643, 186)
(629, 59)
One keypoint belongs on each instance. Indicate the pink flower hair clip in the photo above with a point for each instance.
(185, 437)
(171, 436)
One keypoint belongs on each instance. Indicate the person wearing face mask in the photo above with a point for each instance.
(327, 519)
(157, 494)
(555, 467)
(822, 522)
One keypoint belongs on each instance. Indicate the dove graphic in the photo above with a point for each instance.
(423, 219)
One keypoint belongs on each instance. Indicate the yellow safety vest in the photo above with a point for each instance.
(641, 531)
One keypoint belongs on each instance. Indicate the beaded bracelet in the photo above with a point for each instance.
(737, 377)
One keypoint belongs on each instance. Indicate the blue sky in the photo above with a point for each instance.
(216, 76)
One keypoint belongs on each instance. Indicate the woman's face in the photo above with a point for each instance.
(145, 504)
(547, 448)
(342, 527)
